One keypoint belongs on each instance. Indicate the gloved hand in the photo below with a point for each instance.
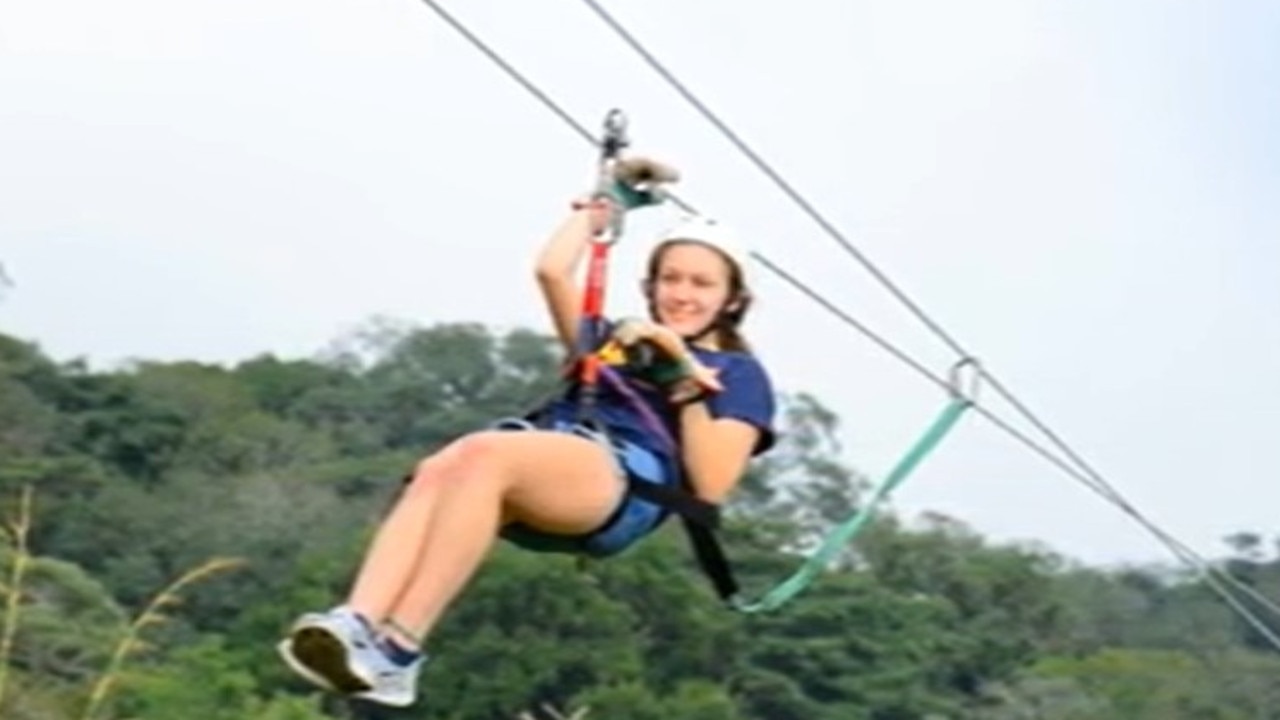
(661, 357)
(638, 181)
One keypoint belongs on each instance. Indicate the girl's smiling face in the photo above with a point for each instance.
(691, 286)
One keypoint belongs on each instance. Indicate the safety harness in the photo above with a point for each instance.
(588, 370)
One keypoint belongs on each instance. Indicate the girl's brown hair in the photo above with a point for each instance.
(727, 322)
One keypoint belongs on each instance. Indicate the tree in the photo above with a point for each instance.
(146, 470)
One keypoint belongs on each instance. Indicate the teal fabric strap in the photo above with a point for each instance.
(845, 532)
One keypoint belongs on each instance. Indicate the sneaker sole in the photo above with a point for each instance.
(285, 650)
(400, 701)
(323, 655)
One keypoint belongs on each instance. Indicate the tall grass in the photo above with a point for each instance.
(151, 615)
(17, 533)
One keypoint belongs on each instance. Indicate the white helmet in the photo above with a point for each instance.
(713, 234)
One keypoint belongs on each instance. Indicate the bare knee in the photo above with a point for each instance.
(474, 458)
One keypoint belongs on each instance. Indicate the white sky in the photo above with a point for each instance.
(1083, 193)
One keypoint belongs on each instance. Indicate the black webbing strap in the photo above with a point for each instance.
(711, 558)
(677, 500)
(701, 520)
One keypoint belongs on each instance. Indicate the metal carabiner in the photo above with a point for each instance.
(958, 389)
(612, 142)
(615, 137)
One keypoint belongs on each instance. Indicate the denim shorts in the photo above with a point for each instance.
(630, 521)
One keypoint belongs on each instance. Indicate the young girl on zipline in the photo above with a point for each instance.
(548, 482)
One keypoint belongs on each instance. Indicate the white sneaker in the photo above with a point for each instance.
(284, 649)
(337, 652)
(333, 650)
(395, 685)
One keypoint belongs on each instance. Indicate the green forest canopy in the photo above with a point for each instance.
(254, 486)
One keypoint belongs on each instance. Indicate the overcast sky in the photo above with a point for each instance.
(1085, 194)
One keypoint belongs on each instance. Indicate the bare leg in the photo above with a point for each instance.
(551, 481)
(397, 546)
(434, 540)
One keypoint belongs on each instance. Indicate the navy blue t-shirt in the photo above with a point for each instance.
(747, 396)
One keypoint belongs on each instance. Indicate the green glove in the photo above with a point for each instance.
(637, 182)
(665, 372)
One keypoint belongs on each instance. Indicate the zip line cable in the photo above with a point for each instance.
(1098, 485)
(1101, 485)
(631, 41)
(658, 67)
(773, 175)
(1175, 546)
(1090, 478)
